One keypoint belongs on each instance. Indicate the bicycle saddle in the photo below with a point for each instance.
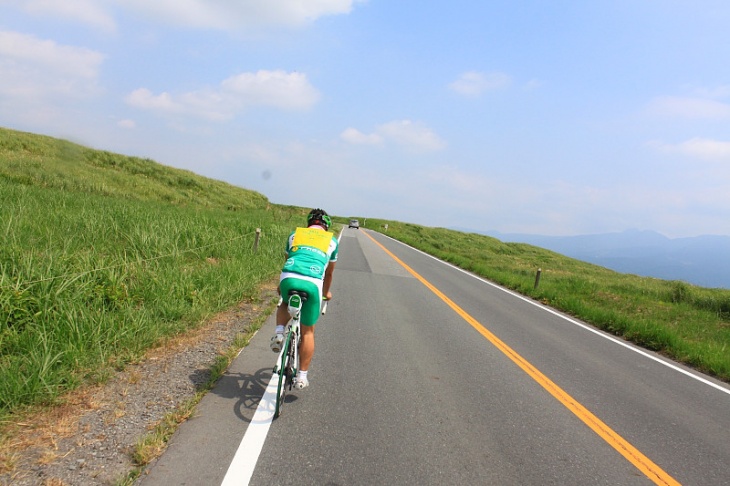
(304, 296)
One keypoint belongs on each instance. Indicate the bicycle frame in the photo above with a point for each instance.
(287, 363)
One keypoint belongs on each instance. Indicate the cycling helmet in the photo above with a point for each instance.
(319, 217)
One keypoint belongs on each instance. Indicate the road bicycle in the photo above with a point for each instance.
(287, 363)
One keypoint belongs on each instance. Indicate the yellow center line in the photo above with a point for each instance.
(633, 455)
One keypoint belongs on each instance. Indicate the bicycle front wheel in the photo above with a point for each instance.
(283, 371)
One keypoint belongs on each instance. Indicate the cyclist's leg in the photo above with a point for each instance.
(310, 314)
(282, 314)
(282, 317)
(306, 347)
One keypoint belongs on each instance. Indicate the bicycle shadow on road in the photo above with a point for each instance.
(249, 389)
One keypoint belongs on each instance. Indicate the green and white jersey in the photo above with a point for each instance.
(309, 251)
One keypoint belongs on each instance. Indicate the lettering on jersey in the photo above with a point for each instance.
(312, 237)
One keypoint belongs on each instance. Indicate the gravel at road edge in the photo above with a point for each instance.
(89, 439)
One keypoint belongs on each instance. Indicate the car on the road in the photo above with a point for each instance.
(354, 224)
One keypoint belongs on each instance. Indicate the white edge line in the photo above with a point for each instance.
(598, 332)
(244, 461)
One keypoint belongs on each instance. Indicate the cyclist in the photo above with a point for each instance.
(311, 254)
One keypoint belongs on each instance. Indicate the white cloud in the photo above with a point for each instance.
(127, 124)
(143, 98)
(410, 135)
(278, 89)
(716, 92)
(697, 147)
(273, 88)
(237, 15)
(91, 12)
(473, 83)
(467, 185)
(688, 107)
(459, 196)
(356, 137)
(33, 68)
(205, 14)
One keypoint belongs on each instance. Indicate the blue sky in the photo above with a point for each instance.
(545, 117)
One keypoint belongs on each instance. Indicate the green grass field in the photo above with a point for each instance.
(104, 256)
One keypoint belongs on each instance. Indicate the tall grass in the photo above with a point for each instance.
(103, 256)
(687, 323)
(88, 282)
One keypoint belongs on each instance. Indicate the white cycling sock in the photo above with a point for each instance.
(302, 374)
(279, 330)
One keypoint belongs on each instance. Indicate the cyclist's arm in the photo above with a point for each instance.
(328, 280)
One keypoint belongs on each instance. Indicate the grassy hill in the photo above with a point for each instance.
(105, 255)
(36, 160)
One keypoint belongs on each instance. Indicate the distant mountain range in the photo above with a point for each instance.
(700, 260)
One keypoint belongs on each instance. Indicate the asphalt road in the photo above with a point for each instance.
(427, 375)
